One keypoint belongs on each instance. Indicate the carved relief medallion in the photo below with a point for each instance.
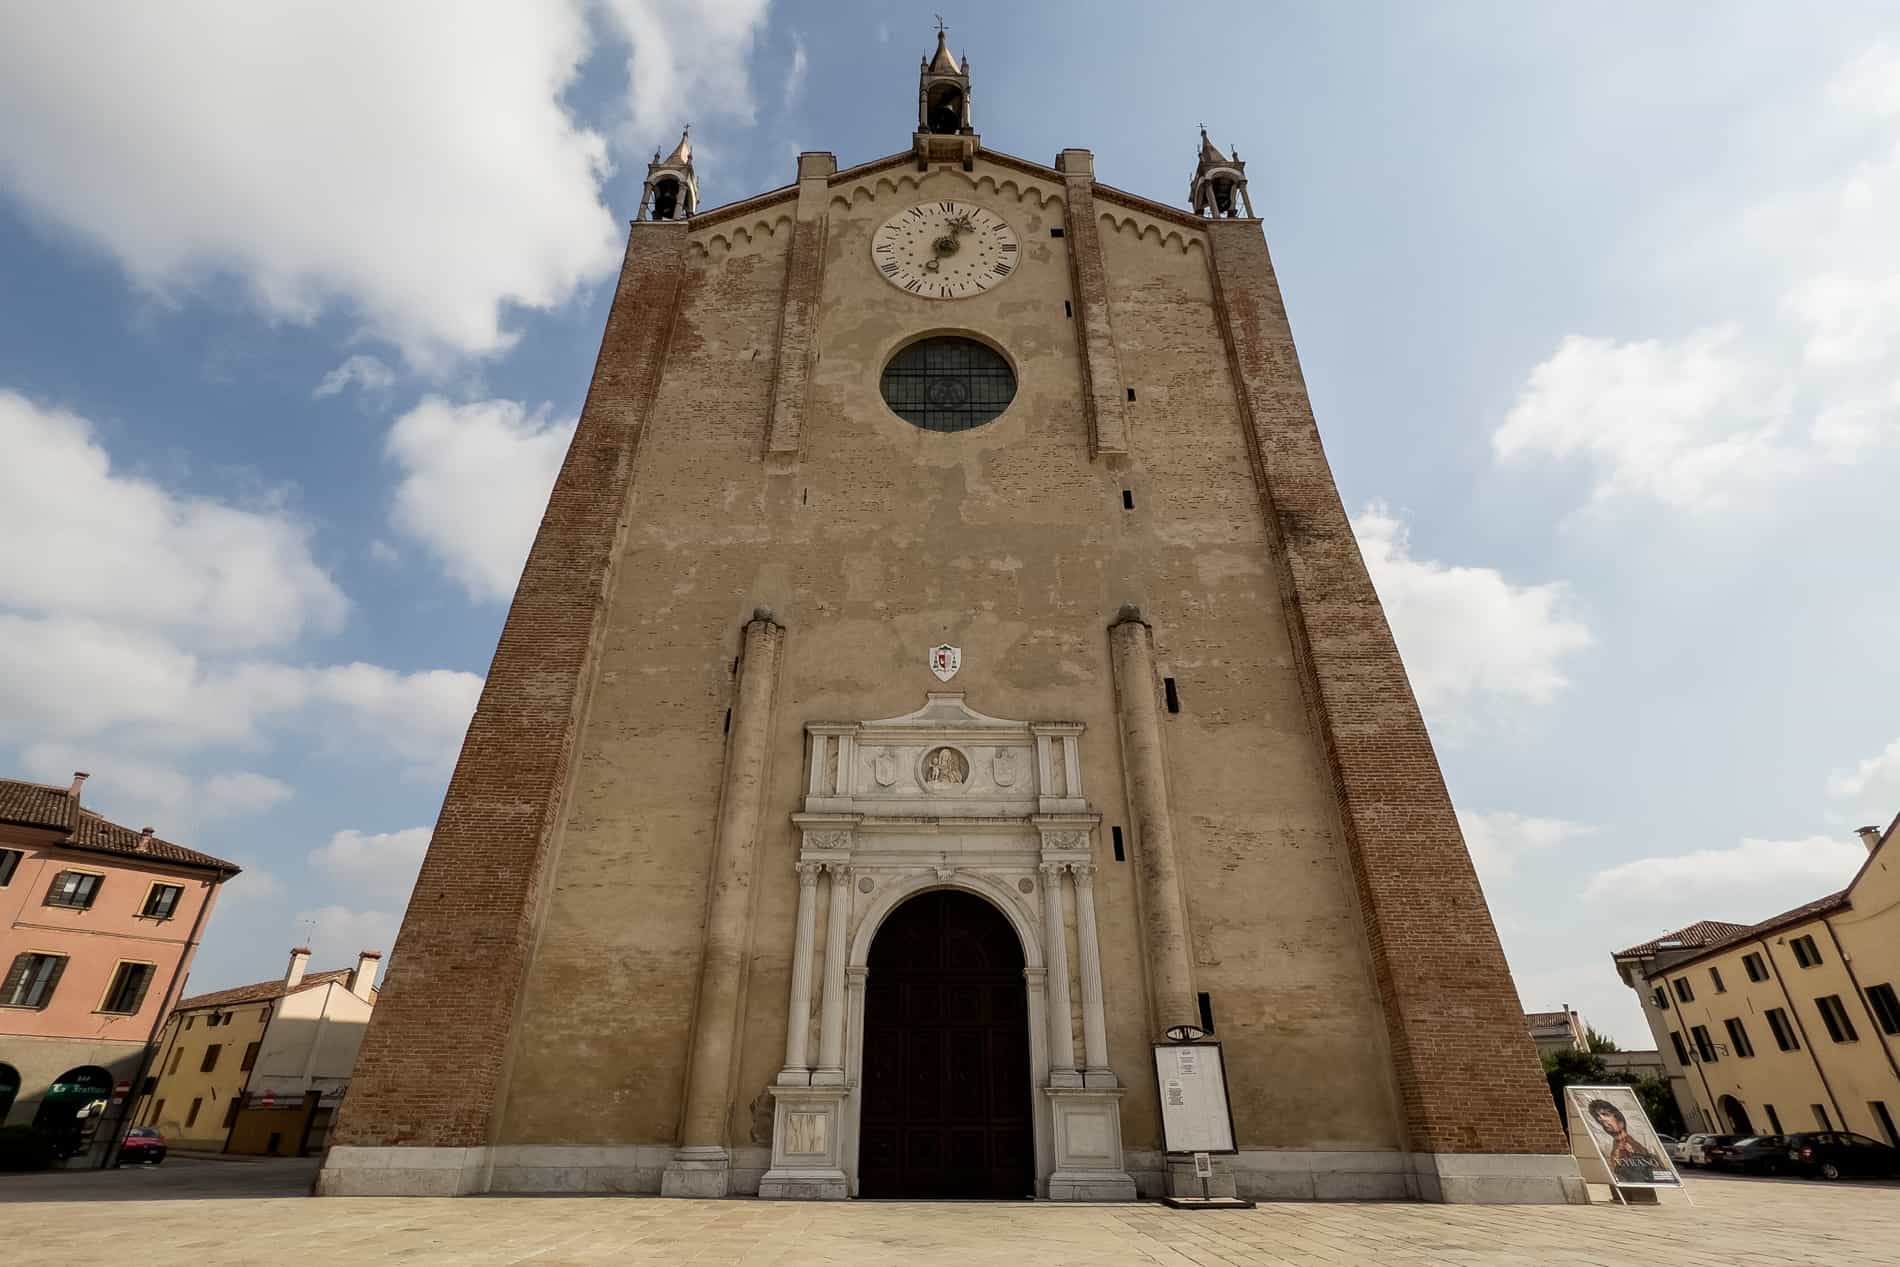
(945, 768)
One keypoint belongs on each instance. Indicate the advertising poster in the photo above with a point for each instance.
(1624, 1139)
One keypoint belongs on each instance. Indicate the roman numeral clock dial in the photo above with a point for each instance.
(945, 249)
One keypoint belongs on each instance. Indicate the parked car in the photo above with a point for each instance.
(1751, 1155)
(1696, 1147)
(142, 1145)
(1676, 1148)
(1840, 1154)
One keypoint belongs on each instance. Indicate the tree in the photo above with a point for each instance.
(1595, 1041)
(1660, 1103)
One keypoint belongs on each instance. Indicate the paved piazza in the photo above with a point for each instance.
(199, 1213)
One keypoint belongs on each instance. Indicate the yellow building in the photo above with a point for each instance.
(1792, 1024)
(261, 1068)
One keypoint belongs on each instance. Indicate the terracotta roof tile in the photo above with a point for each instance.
(260, 991)
(56, 809)
(1535, 1019)
(1695, 936)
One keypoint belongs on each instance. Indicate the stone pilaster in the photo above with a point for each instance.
(804, 282)
(1088, 951)
(702, 1166)
(1102, 382)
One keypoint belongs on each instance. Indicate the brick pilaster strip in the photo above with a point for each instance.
(804, 281)
(1467, 1071)
(429, 1072)
(1101, 363)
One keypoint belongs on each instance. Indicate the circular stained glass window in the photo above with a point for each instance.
(947, 383)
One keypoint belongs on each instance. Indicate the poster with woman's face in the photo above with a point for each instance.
(1622, 1134)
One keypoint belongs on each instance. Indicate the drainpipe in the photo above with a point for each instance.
(1873, 1022)
(127, 1119)
(1802, 1029)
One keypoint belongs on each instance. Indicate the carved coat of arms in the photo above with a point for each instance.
(945, 660)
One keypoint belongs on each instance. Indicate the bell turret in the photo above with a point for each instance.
(1219, 187)
(944, 133)
(672, 191)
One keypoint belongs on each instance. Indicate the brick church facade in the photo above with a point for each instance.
(945, 666)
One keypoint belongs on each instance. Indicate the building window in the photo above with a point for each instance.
(162, 901)
(1784, 1032)
(1774, 1120)
(158, 1111)
(178, 1054)
(75, 889)
(1682, 1050)
(1885, 1006)
(31, 980)
(1820, 1116)
(1754, 967)
(191, 1117)
(230, 1113)
(1738, 1037)
(1806, 953)
(1715, 975)
(1840, 1026)
(250, 1057)
(1885, 1119)
(948, 383)
(1683, 993)
(129, 984)
(9, 863)
(1660, 999)
(1704, 1046)
(210, 1061)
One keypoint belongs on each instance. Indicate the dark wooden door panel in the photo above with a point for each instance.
(946, 1055)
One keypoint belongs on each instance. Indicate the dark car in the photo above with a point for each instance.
(1841, 1154)
(142, 1145)
(1751, 1154)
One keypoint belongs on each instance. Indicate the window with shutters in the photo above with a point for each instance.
(1660, 999)
(1754, 967)
(162, 901)
(1738, 1037)
(1683, 992)
(1682, 1050)
(74, 889)
(127, 992)
(1885, 1006)
(1840, 1026)
(1715, 976)
(1704, 1045)
(1806, 953)
(1779, 1026)
(210, 1061)
(191, 1118)
(250, 1056)
(177, 1055)
(31, 980)
(9, 863)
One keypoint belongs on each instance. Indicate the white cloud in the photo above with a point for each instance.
(255, 884)
(1845, 431)
(795, 73)
(367, 372)
(1680, 421)
(1756, 878)
(1469, 636)
(78, 538)
(384, 553)
(412, 164)
(1869, 86)
(140, 792)
(687, 57)
(1497, 839)
(475, 483)
(336, 933)
(381, 864)
(1872, 786)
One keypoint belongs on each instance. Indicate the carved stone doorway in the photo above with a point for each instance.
(947, 1097)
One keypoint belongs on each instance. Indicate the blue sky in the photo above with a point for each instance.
(1600, 314)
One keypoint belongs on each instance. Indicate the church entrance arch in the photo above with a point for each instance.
(1736, 1115)
(947, 1106)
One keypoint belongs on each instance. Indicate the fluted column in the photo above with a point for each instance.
(797, 1071)
(701, 1164)
(1056, 955)
(830, 1071)
(1164, 909)
(1094, 1028)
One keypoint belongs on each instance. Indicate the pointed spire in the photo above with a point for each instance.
(1209, 154)
(683, 152)
(943, 63)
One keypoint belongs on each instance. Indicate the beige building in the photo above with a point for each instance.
(98, 926)
(944, 668)
(261, 1068)
(1562, 1030)
(1792, 1024)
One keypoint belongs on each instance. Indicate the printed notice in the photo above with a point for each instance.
(1194, 1113)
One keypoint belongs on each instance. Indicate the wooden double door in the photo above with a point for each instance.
(947, 1095)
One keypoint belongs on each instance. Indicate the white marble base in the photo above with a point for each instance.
(698, 1171)
(1183, 1182)
(1499, 1179)
(1089, 1165)
(352, 1171)
(807, 1143)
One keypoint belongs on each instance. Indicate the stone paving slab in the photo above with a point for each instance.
(202, 1214)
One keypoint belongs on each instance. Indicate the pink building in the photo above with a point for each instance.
(98, 924)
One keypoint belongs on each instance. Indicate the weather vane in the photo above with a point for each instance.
(940, 26)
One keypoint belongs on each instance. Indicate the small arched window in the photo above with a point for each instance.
(945, 115)
(948, 383)
(666, 199)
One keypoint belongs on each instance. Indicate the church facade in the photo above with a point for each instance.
(944, 668)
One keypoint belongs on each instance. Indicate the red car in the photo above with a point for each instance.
(143, 1145)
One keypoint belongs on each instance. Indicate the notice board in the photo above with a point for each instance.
(1195, 1116)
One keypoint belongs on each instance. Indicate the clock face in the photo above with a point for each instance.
(945, 250)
